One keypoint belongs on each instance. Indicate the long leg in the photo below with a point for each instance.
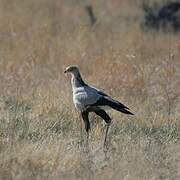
(105, 139)
(79, 121)
(86, 123)
(107, 119)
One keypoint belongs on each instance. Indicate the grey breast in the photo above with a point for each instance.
(85, 96)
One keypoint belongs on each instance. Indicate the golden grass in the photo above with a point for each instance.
(40, 132)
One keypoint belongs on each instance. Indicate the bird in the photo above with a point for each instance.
(89, 99)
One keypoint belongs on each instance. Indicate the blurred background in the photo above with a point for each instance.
(128, 48)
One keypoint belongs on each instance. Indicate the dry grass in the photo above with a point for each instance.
(40, 135)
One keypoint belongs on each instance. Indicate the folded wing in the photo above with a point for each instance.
(107, 101)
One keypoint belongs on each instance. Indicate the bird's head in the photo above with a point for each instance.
(72, 69)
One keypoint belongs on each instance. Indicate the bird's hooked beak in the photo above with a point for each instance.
(66, 70)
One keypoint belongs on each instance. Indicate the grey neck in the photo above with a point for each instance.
(77, 80)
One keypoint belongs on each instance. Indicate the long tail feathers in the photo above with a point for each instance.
(123, 110)
(115, 105)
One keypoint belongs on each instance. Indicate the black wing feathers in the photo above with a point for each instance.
(106, 101)
(109, 98)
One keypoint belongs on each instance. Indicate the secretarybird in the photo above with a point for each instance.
(89, 99)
